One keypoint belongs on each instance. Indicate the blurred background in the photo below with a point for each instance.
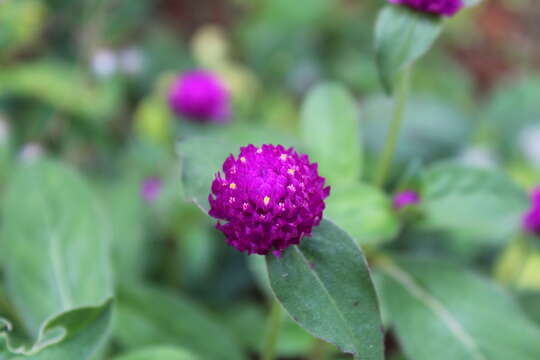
(85, 83)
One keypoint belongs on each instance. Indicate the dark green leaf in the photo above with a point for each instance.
(55, 243)
(443, 312)
(402, 36)
(331, 132)
(325, 285)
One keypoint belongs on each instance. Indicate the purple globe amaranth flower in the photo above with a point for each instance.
(405, 198)
(200, 96)
(150, 189)
(270, 198)
(535, 196)
(438, 7)
(531, 219)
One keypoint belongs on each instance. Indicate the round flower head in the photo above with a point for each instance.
(269, 199)
(150, 189)
(438, 7)
(200, 96)
(406, 198)
(531, 219)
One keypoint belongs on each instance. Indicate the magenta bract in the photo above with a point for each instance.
(438, 7)
(269, 198)
(406, 198)
(150, 189)
(200, 96)
(531, 219)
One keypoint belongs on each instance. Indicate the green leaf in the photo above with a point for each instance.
(479, 204)
(517, 99)
(442, 311)
(71, 93)
(125, 212)
(432, 129)
(152, 316)
(248, 323)
(331, 132)
(76, 334)
(530, 303)
(363, 211)
(20, 24)
(54, 243)
(158, 353)
(402, 36)
(325, 285)
(203, 156)
(6, 149)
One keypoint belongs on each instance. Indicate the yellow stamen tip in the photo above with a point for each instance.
(243, 159)
(291, 171)
(232, 186)
(266, 200)
(283, 157)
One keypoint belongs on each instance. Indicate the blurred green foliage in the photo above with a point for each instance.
(84, 120)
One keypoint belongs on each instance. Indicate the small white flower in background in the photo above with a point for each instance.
(479, 156)
(4, 129)
(30, 153)
(104, 63)
(529, 143)
(131, 60)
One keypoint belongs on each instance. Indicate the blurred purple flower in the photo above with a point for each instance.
(535, 196)
(438, 7)
(200, 96)
(270, 198)
(150, 189)
(531, 219)
(405, 198)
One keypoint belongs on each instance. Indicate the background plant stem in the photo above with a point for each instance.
(400, 100)
(272, 334)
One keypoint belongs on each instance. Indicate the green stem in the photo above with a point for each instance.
(274, 324)
(400, 100)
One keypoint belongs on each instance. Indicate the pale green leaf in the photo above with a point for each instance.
(479, 204)
(364, 212)
(331, 132)
(125, 211)
(402, 36)
(75, 334)
(441, 311)
(55, 243)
